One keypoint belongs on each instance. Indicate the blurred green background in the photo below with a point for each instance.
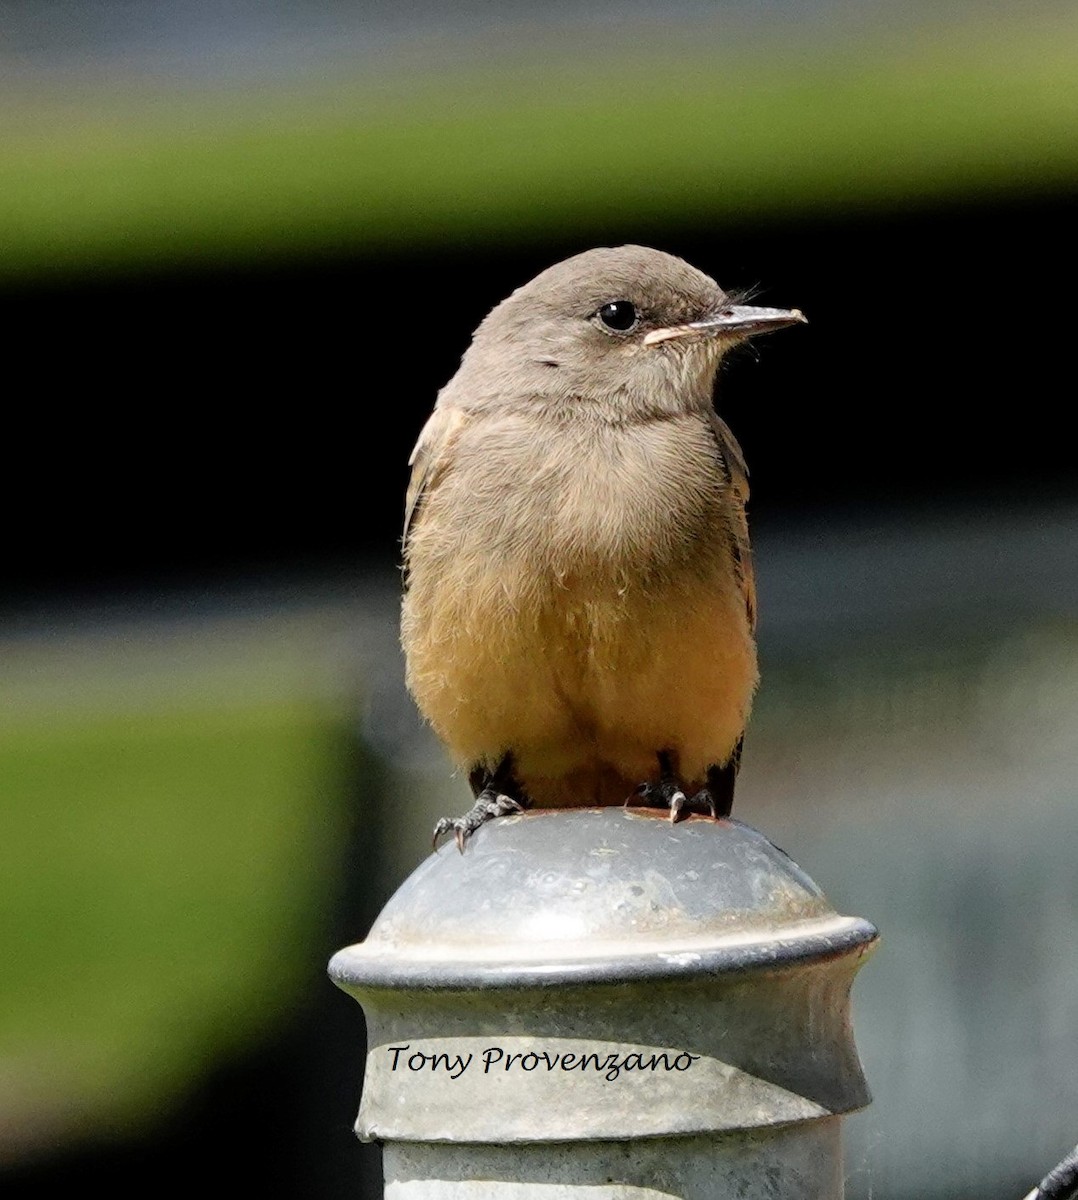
(241, 247)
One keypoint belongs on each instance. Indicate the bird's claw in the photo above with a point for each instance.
(488, 804)
(677, 802)
(703, 802)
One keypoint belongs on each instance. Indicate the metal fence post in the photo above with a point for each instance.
(599, 1005)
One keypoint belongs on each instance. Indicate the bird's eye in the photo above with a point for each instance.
(619, 315)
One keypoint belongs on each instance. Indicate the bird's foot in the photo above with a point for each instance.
(488, 804)
(669, 793)
(716, 799)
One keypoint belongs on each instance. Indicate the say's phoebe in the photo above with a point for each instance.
(579, 607)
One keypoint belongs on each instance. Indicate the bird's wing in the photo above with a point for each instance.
(738, 474)
(428, 461)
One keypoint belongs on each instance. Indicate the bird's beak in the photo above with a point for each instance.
(733, 320)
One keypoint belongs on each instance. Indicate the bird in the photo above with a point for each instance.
(579, 612)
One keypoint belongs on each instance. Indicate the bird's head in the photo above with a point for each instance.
(625, 332)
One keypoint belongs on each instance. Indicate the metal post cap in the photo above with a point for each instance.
(603, 974)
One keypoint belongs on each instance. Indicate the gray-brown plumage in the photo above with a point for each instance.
(579, 613)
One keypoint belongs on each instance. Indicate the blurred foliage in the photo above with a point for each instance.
(172, 835)
(96, 174)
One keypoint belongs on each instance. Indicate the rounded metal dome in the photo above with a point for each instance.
(590, 895)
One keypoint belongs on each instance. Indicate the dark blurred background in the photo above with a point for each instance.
(241, 247)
